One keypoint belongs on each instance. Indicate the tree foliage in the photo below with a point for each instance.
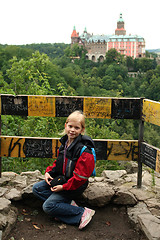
(58, 69)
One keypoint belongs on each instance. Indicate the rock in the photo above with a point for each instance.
(142, 195)
(124, 198)
(19, 181)
(91, 180)
(115, 187)
(147, 179)
(7, 221)
(153, 203)
(14, 194)
(99, 179)
(4, 181)
(3, 191)
(131, 178)
(4, 204)
(138, 209)
(32, 174)
(98, 194)
(113, 175)
(9, 174)
(27, 190)
(129, 166)
(3, 221)
(150, 226)
(155, 212)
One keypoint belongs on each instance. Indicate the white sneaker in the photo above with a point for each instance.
(86, 217)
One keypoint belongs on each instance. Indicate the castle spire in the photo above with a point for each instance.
(74, 33)
(74, 36)
(120, 26)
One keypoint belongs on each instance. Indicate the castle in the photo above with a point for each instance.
(98, 45)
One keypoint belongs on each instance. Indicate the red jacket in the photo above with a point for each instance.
(83, 169)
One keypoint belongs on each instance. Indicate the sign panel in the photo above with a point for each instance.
(12, 146)
(14, 105)
(151, 112)
(41, 106)
(29, 147)
(67, 105)
(48, 148)
(39, 148)
(97, 107)
(126, 108)
(150, 156)
(122, 150)
(101, 149)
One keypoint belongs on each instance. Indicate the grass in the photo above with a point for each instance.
(19, 165)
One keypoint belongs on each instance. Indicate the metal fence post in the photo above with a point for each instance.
(140, 140)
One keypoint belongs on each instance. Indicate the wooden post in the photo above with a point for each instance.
(140, 140)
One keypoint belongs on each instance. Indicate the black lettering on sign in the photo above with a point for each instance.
(148, 155)
(14, 105)
(126, 108)
(40, 148)
(13, 145)
(122, 150)
(66, 105)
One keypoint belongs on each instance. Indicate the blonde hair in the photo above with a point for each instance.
(77, 116)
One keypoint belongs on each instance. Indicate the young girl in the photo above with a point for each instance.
(76, 169)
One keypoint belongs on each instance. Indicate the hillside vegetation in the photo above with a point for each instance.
(50, 69)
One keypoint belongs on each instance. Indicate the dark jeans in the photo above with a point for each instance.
(58, 204)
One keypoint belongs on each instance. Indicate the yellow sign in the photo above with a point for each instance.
(97, 107)
(55, 146)
(12, 146)
(41, 106)
(122, 150)
(158, 161)
(151, 112)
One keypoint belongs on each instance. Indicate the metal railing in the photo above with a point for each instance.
(93, 107)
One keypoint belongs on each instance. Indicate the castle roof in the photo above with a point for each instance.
(74, 33)
(98, 38)
(120, 18)
(85, 36)
(126, 38)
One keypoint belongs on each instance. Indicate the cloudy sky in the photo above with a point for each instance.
(51, 21)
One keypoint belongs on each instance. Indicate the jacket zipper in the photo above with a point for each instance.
(69, 168)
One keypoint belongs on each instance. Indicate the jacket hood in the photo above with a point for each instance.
(88, 141)
(84, 139)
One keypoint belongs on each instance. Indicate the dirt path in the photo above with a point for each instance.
(109, 223)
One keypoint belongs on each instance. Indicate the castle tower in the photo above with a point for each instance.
(74, 36)
(120, 26)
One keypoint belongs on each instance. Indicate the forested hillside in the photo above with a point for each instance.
(52, 69)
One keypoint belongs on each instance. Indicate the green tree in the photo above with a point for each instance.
(130, 63)
(112, 56)
(145, 64)
(29, 76)
(153, 89)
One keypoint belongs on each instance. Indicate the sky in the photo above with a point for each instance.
(52, 21)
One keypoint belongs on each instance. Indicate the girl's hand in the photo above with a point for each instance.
(57, 188)
(48, 178)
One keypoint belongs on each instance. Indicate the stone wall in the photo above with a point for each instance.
(116, 187)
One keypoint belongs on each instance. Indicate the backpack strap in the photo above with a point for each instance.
(94, 155)
(82, 150)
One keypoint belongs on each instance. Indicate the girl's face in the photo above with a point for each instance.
(73, 129)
